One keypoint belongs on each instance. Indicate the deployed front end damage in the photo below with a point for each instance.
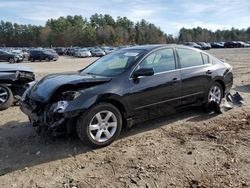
(55, 116)
(58, 114)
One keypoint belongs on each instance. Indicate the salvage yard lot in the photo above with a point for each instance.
(188, 149)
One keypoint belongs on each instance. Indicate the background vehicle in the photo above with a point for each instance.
(98, 52)
(7, 56)
(107, 95)
(243, 44)
(204, 46)
(82, 52)
(192, 44)
(19, 54)
(107, 50)
(232, 44)
(60, 51)
(42, 55)
(12, 81)
(217, 45)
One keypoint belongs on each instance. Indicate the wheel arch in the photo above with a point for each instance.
(120, 107)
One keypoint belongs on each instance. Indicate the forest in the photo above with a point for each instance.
(104, 30)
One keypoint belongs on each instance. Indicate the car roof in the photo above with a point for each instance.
(151, 47)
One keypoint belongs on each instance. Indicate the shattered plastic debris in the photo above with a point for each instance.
(230, 102)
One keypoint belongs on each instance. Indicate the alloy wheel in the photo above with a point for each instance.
(103, 126)
(3, 95)
(11, 60)
(215, 94)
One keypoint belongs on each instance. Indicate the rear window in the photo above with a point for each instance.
(189, 58)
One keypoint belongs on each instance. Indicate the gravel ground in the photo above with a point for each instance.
(188, 149)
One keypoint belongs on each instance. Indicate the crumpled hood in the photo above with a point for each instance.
(10, 68)
(46, 87)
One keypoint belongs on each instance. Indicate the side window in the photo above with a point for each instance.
(161, 61)
(205, 58)
(189, 58)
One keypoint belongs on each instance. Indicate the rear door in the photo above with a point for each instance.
(163, 88)
(196, 74)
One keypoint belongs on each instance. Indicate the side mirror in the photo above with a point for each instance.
(143, 72)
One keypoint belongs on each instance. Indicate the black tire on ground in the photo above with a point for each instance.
(12, 60)
(9, 98)
(32, 59)
(207, 102)
(85, 120)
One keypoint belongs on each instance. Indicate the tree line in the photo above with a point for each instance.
(199, 34)
(104, 30)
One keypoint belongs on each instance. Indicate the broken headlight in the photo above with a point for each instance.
(66, 96)
(70, 95)
(60, 106)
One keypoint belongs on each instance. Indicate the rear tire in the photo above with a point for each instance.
(6, 97)
(215, 94)
(100, 125)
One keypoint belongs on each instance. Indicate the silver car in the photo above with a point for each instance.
(83, 52)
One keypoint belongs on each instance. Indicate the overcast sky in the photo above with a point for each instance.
(169, 15)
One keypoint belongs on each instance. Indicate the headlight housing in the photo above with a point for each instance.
(62, 104)
(70, 95)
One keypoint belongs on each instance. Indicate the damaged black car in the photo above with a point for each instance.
(13, 80)
(124, 88)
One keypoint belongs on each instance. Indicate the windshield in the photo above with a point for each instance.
(113, 64)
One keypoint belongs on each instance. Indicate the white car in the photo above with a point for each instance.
(83, 53)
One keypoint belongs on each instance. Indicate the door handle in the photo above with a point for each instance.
(209, 72)
(175, 80)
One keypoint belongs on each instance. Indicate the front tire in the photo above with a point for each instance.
(12, 60)
(6, 97)
(100, 126)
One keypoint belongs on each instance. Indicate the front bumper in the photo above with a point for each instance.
(46, 119)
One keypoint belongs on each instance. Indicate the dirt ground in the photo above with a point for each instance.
(188, 149)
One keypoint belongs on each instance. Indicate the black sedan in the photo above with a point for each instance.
(123, 88)
(12, 83)
(7, 56)
(40, 55)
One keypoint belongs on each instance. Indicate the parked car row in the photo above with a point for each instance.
(207, 46)
(17, 55)
(88, 52)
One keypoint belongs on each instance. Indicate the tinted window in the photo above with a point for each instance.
(189, 58)
(205, 58)
(161, 61)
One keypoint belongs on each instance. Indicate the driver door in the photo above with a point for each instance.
(163, 89)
